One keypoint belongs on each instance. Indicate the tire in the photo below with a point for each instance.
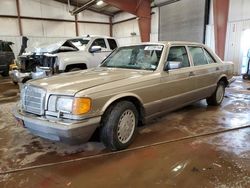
(218, 96)
(245, 77)
(123, 116)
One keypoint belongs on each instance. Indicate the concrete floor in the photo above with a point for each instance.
(197, 146)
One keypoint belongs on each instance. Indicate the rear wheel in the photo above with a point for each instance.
(119, 126)
(218, 96)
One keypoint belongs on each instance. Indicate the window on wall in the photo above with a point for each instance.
(179, 54)
(198, 56)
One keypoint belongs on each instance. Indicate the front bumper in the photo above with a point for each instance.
(67, 132)
(18, 77)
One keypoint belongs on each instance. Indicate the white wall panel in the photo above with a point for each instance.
(125, 29)
(122, 16)
(92, 16)
(59, 29)
(239, 10)
(33, 27)
(45, 9)
(53, 9)
(8, 7)
(233, 45)
(154, 25)
(48, 28)
(30, 8)
(93, 29)
(9, 26)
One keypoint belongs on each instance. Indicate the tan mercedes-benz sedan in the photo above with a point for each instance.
(132, 85)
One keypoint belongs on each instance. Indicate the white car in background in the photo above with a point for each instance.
(64, 56)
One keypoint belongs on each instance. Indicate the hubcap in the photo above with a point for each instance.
(220, 93)
(126, 126)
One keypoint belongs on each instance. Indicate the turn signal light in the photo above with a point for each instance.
(81, 106)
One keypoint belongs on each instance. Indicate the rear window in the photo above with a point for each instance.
(112, 44)
(198, 56)
(209, 57)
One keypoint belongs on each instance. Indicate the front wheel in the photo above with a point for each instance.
(218, 96)
(119, 126)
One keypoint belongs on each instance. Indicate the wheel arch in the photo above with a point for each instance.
(224, 79)
(76, 65)
(136, 100)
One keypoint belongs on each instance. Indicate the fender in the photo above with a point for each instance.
(221, 76)
(120, 96)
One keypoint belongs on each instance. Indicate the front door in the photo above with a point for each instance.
(178, 84)
(97, 57)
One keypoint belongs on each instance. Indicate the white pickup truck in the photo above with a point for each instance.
(64, 56)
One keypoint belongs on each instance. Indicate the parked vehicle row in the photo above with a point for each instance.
(63, 56)
(132, 85)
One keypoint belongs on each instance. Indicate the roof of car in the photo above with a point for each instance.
(92, 36)
(168, 43)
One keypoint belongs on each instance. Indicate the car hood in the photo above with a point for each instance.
(49, 47)
(71, 83)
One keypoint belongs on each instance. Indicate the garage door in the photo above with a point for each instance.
(183, 20)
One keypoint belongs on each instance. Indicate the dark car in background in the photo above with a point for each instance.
(6, 57)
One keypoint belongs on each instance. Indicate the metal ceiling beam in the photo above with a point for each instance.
(221, 8)
(83, 7)
(73, 3)
(140, 8)
(19, 18)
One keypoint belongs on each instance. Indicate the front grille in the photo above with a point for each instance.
(33, 100)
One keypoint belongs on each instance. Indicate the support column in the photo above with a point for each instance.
(140, 8)
(221, 8)
(76, 25)
(110, 27)
(19, 18)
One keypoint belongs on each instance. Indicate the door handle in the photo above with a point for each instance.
(191, 74)
(217, 68)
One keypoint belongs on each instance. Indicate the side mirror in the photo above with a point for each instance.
(94, 49)
(170, 65)
(248, 53)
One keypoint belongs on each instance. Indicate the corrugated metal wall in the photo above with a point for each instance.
(182, 20)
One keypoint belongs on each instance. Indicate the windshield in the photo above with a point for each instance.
(80, 43)
(144, 57)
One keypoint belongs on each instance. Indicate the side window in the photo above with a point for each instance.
(179, 53)
(198, 56)
(6, 48)
(209, 57)
(112, 44)
(99, 42)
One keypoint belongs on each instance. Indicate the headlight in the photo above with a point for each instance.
(64, 104)
(76, 106)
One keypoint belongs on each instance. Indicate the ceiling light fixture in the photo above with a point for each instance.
(99, 3)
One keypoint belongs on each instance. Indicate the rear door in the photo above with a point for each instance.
(206, 70)
(179, 84)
